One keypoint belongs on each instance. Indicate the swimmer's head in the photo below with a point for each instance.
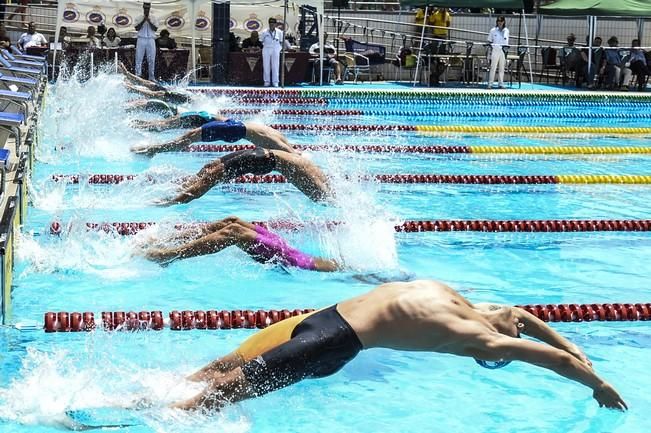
(502, 317)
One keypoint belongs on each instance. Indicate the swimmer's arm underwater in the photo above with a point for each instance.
(501, 347)
(170, 146)
(158, 125)
(538, 329)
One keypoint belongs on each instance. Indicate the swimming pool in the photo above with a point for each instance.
(86, 131)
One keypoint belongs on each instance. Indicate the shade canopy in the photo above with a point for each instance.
(496, 4)
(622, 8)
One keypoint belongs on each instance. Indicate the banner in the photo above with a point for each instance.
(121, 15)
(175, 17)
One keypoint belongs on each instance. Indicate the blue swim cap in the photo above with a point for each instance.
(492, 365)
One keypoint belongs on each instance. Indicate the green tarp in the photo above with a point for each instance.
(495, 4)
(620, 8)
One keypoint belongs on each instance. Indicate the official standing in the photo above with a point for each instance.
(146, 26)
(272, 40)
(498, 38)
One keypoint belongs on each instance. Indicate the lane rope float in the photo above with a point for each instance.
(381, 148)
(551, 114)
(63, 321)
(473, 179)
(476, 129)
(411, 226)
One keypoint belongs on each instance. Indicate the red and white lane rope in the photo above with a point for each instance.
(63, 321)
(412, 226)
(467, 179)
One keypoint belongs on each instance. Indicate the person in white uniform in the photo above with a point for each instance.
(146, 26)
(498, 38)
(272, 41)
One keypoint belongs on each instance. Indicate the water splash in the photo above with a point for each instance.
(51, 382)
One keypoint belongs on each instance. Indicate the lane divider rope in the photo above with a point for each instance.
(421, 94)
(381, 148)
(492, 129)
(410, 226)
(63, 321)
(475, 179)
(442, 113)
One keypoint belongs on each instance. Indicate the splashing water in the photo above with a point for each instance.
(53, 382)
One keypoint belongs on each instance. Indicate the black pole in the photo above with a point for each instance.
(221, 14)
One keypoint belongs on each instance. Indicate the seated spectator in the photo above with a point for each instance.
(31, 38)
(112, 40)
(93, 41)
(617, 74)
(405, 58)
(638, 64)
(164, 41)
(64, 38)
(330, 57)
(597, 63)
(252, 44)
(575, 60)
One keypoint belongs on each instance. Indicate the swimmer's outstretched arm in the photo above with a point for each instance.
(501, 347)
(136, 79)
(146, 92)
(173, 145)
(231, 234)
(538, 329)
(157, 125)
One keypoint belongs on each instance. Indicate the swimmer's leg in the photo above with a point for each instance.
(232, 234)
(230, 387)
(304, 175)
(217, 367)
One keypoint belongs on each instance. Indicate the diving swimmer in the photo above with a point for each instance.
(261, 244)
(152, 89)
(211, 127)
(425, 316)
(298, 170)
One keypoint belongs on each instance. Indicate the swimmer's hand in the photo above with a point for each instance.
(606, 396)
(145, 149)
(162, 256)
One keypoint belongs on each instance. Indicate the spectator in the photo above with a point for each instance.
(574, 61)
(20, 10)
(112, 40)
(598, 63)
(252, 44)
(146, 44)
(638, 64)
(441, 20)
(64, 38)
(330, 57)
(31, 39)
(498, 39)
(164, 41)
(233, 43)
(615, 67)
(92, 40)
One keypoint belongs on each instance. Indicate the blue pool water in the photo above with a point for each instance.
(86, 131)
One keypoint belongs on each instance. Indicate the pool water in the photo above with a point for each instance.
(86, 131)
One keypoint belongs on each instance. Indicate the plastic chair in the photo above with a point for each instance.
(549, 64)
(519, 66)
